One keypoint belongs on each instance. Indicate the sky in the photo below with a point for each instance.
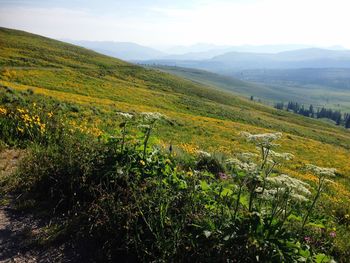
(184, 22)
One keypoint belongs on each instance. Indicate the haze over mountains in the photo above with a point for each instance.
(301, 58)
(271, 72)
(202, 51)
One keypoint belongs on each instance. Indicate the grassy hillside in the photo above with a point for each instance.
(201, 117)
(212, 79)
(320, 87)
(266, 93)
(65, 102)
(327, 87)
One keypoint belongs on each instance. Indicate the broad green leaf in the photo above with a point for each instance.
(226, 192)
(204, 185)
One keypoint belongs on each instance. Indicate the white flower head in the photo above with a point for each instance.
(297, 189)
(259, 190)
(291, 183)
(203, 154)
(152, 116)
(263, 139)
(299, 198)
(321, 171)
(280, 156)
(125, 115)
(248, 167)
(268, 194)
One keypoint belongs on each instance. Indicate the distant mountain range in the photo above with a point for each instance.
(236, 56)
(208, 48)
(235, 61)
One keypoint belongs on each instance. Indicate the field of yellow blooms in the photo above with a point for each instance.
(200, 118)
(193, 132)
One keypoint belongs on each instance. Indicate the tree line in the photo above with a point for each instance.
(335, 115)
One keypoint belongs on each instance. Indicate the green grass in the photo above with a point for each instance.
(202, 117)
(268, 92)
(124, 196)
(238, 87)
(87, 90)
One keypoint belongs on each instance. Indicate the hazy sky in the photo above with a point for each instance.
(150, 22)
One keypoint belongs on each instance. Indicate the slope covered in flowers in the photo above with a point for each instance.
(72, 74)
(147, 201)
(91, 89)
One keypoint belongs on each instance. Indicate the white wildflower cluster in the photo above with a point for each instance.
(276, 158)
(281, 156)
(247, 156)
(203, 154)
(267, 194)
(297, 189)
(290, 182)
(321, 171)
(152, 116)
(263, 139)
(299, 198)
(125, 115)
(248, 167)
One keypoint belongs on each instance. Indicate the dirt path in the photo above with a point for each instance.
(19, 231)
(16, 236)
(13, 231)
(19, 235)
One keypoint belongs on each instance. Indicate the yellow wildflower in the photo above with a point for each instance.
(37, 118)
(20, 130)
(26, 118)
(3, 111)
(142, 162)
(191, 149)
(50, 114)
(189, 173)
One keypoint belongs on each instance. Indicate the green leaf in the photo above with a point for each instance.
(320, 225)
(293, 217)
(204, 185)
(304, 253)
(322, 258)
(182, 184)
(226, 192)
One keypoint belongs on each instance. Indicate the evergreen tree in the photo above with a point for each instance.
(347, 122)
(311, 111)
(279, 105)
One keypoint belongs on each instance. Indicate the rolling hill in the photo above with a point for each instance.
(200, 116)
(321, 87)
(257, 88)
(122, 50)
(212, 79)
(309, 76)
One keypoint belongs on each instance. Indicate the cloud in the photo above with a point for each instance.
(321, 22)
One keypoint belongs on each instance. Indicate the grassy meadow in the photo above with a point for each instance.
(88, 91)
(272, 90)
